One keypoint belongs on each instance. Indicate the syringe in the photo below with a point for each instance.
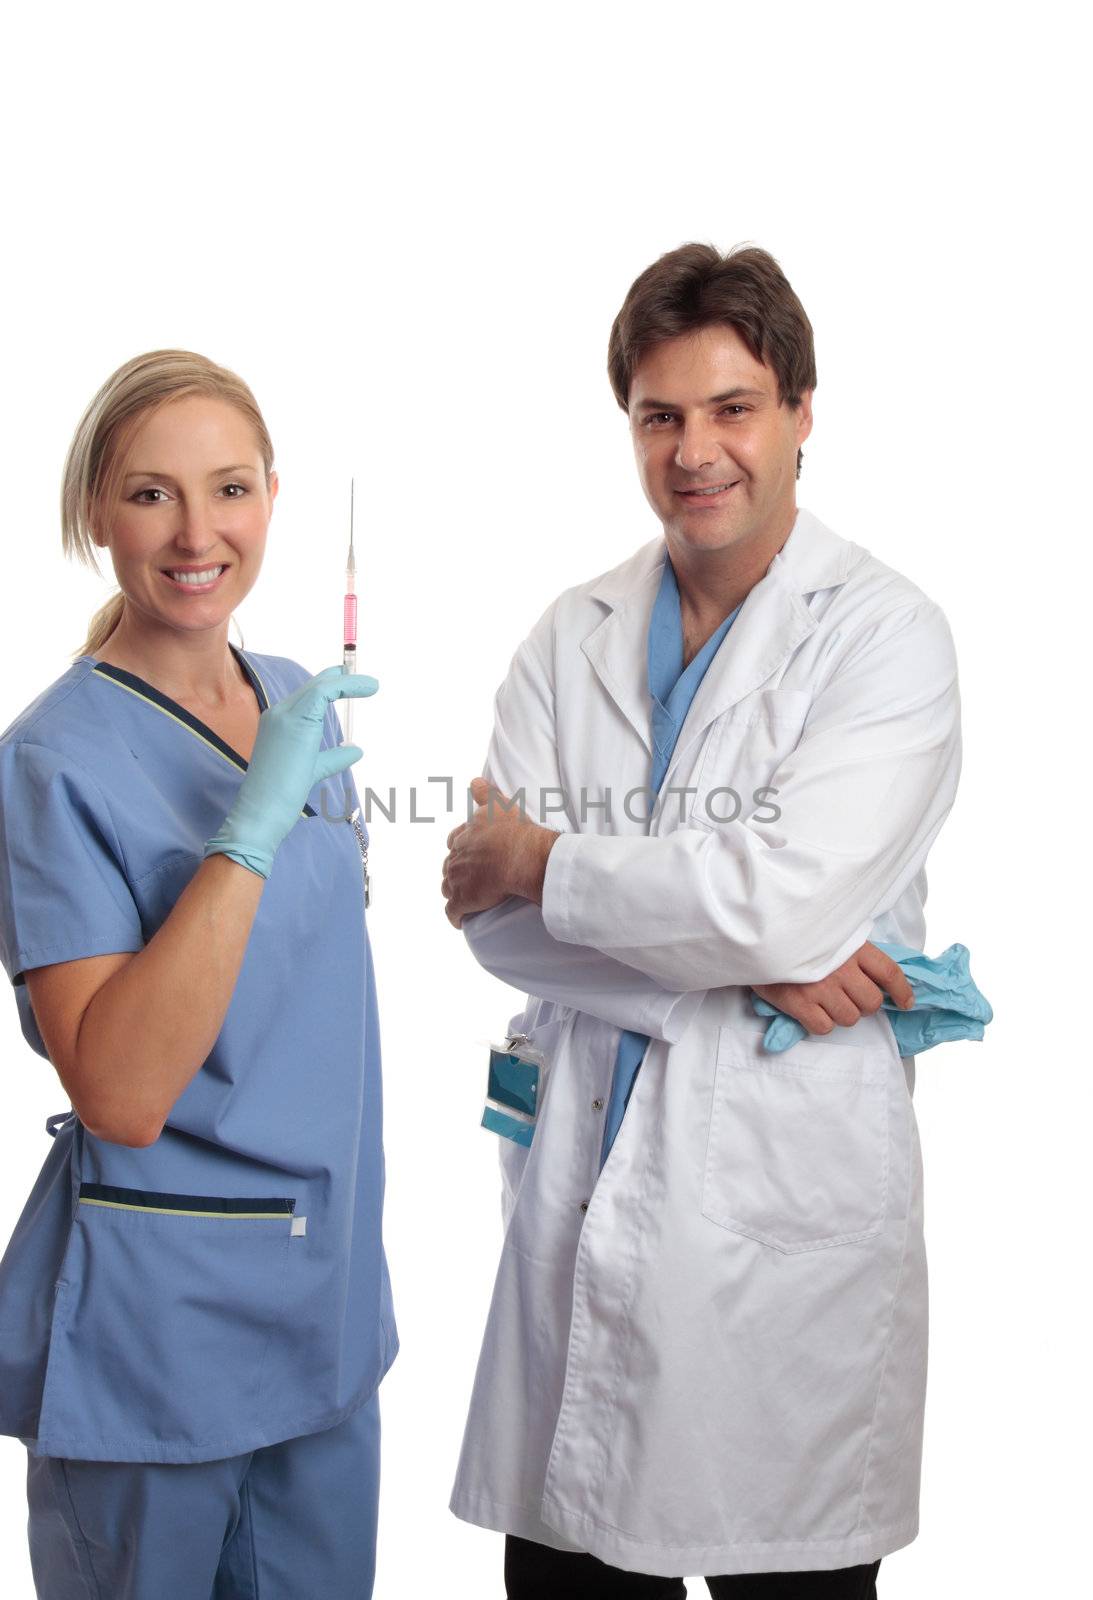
(349, 621)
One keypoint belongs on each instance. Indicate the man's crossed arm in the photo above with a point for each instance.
(501, 853)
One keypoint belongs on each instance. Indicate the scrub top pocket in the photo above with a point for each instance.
(797, 1156)
(166, 1308)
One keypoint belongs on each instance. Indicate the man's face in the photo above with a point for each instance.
(716, 450)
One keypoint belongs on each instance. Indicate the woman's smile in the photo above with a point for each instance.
(196, 580)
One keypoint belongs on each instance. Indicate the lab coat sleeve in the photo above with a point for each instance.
(511, 940)
(862, 798)
(64, 888)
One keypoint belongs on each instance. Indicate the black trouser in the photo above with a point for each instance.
(535, 1572)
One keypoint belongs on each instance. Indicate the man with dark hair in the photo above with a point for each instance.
(706, 1351)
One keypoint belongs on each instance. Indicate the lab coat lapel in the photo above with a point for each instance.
(774, 619)
(617, 649)
(772, 623)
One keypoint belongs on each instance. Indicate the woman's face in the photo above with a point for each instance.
(188, 529)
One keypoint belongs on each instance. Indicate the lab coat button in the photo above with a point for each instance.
(584, 1205)
(597, 1105)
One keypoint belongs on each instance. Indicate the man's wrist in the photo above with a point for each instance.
(529, 866)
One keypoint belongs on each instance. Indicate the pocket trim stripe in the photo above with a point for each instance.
(184, 1205)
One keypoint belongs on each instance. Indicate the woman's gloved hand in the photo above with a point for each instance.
(285, 765)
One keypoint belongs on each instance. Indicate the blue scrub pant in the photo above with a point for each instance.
(290, 1520)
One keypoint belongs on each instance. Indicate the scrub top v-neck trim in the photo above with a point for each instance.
(178, 713)
(673, 686)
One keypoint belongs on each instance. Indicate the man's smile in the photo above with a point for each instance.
(709, 494)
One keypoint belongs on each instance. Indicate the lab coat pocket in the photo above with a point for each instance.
(797, 1156)
(743, 753)
(167, 1307)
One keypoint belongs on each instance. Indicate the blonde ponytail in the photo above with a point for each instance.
(102, 625)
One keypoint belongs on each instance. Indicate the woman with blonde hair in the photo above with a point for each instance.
(194, 1306)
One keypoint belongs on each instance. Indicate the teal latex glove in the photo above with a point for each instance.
(285, 765)
(947, 1003)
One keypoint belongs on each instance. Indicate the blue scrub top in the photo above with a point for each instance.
(226, 1287)
(671, 691)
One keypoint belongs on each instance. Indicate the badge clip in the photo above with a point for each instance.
(514, 1089)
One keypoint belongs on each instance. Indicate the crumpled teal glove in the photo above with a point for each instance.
(285, 765)
(947, 1003)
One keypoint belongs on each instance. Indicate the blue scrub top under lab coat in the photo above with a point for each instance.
(224, 1288)
(672, 688)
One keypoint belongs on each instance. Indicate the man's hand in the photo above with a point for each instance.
(852, 991)
(498, 853)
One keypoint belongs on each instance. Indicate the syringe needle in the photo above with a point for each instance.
(349, 619)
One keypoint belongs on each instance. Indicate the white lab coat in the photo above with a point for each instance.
(711, 1358)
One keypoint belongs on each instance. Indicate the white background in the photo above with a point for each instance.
(410, 231)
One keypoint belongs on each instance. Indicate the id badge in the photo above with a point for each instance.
(514, 1089)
